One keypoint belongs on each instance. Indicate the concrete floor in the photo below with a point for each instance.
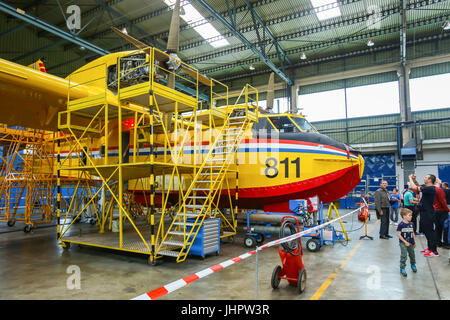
(32, 266)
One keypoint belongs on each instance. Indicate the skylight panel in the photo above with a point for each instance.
(331, 10)
(206, 29)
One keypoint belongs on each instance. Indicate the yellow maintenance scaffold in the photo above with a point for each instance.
(158, 144)
(26, 176)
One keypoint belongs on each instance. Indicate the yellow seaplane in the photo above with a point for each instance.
(291, 159)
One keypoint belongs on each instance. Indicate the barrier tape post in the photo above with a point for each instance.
(256, 274)
(162, 291)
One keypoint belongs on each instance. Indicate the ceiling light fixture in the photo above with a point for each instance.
(251, 66)
(124, 30)
(303, 56)
(446, 25)
(370, 43)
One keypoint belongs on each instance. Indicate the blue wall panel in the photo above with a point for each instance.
(444, 172)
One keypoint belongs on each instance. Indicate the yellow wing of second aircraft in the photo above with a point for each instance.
(29, 97)
(32, 99)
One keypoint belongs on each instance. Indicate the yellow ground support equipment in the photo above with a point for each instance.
(26, 172)
(154, 138)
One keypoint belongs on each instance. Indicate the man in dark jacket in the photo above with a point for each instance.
(382, 206)
(427, 212)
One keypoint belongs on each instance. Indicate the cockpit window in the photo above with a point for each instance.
(263, 124)
(304, 125)
(283, 124)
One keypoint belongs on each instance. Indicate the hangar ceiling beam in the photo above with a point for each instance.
(52, 29)
(22, 25)
(327, 44)
(387, 10)
(274, 21)
(70, 37)
(267, 31)
(389, 67)
(239, 35)
(126, 22)
(166, 9)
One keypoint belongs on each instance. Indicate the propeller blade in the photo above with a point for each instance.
(201, 77)
(270, 91)
(140, 45)
(172, 41)
(137, 43)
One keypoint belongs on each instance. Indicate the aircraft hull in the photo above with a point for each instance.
(274, 171)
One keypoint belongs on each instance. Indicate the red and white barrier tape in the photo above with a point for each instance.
(168, 288)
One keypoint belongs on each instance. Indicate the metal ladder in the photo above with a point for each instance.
(199, 198)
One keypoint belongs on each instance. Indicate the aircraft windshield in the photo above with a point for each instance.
(304, 125)
(284, 124)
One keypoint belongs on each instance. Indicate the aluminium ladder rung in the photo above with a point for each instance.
(192, 215)
(189, 224)
(178, 233)
(194, 206)
(174, 243)
(197, 197)
(169, 253)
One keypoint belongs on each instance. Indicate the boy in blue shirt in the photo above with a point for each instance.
(395, 205)
(405, 232)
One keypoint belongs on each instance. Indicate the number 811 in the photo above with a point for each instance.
(274, 167)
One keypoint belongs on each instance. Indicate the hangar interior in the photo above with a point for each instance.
(290, 66)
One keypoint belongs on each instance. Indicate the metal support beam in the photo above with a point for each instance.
(22, 25)
(72, 38)
(239, 35)
(127, 22)
(268, 32)
(403, 76)
(52, 29)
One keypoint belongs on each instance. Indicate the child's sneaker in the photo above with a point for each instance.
(414, 268)
(431, 254)
(403, 272)
(425, 251)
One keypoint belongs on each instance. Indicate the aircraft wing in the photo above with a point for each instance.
(30, 98)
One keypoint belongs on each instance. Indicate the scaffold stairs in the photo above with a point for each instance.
(204, 190)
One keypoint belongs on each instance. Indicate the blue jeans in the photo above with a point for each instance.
(394, 214)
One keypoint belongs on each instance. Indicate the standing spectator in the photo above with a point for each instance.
(405, 233)
(382, 206)
(446, 240)
(447, 193)
(410, 202)
(395, 204)
(441, 213)
(427, 211)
